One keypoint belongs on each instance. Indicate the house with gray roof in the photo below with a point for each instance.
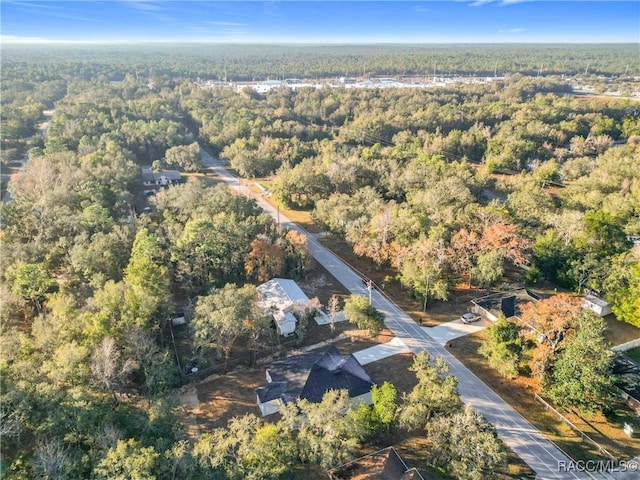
(505, 303)
(151, 180)
(309, 376)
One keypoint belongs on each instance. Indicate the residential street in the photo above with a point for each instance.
(540, 454)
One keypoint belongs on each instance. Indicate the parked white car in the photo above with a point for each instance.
(469, 317)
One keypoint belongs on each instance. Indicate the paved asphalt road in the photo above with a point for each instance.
(539, 453)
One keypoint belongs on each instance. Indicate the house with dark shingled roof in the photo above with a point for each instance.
(310, 375)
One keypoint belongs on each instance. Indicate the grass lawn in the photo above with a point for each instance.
(300, 217)
(208, 179)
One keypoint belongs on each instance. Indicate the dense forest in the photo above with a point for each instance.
(257, 62)
(454, 182)
(443, 186)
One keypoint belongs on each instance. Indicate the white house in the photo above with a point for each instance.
(597, 305)
(282, 296)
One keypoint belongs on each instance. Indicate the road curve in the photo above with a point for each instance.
(522, 437)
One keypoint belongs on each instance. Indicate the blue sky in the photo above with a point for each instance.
(460, 21)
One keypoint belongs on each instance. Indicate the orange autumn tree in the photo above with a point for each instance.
(298, 258)
(468, 248)
(554, 319)
(503, 237)
(464, 245)
(265, 260)
(288, 255)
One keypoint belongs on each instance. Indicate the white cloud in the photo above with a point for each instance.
(511, 30)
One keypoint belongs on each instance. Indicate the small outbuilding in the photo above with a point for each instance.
(597, 305)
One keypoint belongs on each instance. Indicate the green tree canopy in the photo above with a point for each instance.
(31, 282)
(222, 316)
(364, 316)
(465, 445)
(582, 376)
(503, 347)
(435, 394)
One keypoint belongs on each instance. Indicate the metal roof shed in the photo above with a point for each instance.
(597, 305)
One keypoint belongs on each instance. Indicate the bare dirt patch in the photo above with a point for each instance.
(226, 396)
(320, 283)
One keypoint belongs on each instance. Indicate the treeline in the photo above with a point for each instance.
(258, 62)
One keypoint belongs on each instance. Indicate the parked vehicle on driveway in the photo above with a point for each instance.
(469, 317)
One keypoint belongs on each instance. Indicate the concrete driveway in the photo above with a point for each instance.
(450, 330)
(378, 352)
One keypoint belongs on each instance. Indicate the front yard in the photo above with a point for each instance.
(519, 393)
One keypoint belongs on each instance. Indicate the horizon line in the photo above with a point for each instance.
(45, 42)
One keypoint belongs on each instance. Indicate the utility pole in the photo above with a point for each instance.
(370, 288)
(426, 292)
